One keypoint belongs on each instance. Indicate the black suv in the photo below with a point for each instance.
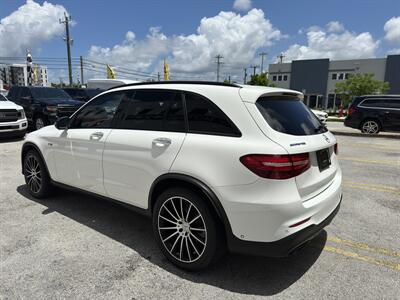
(372, 114)
(43, 105)
(82, 94)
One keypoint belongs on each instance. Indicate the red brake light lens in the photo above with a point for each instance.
(276, 166)
(352, 109)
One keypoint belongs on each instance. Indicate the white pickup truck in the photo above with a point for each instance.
(12, 119)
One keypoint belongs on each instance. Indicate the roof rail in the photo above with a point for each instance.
(177, 82)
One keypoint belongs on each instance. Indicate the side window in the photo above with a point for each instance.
(98, 113)
(392, 103)
(157, 110)
(205, 117)
(373, 103)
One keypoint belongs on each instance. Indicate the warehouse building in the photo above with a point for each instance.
(316, 78)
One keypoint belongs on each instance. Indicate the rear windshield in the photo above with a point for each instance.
(289, 115)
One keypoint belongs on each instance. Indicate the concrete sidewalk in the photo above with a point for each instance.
(339, 129)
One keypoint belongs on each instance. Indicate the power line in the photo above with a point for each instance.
(68, 40)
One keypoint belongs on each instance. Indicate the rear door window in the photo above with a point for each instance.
(289, 115)
(156, 110)
(207, 118)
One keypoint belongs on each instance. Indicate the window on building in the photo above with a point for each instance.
(284, 77)
(274, 78)
(346, 76)
(341, 76)
(334, 76)
(280, 78)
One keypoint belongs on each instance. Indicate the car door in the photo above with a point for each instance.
(79, 149)
(148, 136)
(25, 100)
(393, 113)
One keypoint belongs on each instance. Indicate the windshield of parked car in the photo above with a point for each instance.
(49, 93)
(289, 115)
(2, 98)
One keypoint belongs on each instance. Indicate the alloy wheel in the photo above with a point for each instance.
(182, 229)
(370, 127)
(33, 174)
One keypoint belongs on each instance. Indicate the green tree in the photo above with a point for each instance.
(260, 79)
(360, 84)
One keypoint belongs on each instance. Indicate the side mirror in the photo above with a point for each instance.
(62, 123)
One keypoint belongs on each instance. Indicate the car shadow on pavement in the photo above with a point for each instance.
(235, 273)
(4, 140)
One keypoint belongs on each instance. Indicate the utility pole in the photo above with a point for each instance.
(81, 60)
(158, 76)
(254, 69)
(280, 57)
(29, 67)
(229, 78)
(245, 75)
(262, 54)
(68, 40)
(218, 57)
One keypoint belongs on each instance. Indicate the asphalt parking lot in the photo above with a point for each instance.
(77, 246)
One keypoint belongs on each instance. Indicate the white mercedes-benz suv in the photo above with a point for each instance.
(13, 122)
(215, 166)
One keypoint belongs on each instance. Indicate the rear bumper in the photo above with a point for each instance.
(283, 247)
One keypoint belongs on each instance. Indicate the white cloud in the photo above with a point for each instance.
(237, 38)
(243, 5)
(392, 29)
(29, 26)
(394, 51)
(334, 45)
(335, 26)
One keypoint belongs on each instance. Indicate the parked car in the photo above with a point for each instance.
(12, 119)
(321, 115)
(214, 165)
(372, 114)
(43, 105)
(82, 94)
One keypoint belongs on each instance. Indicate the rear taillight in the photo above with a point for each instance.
(336, 148)
(276, 166)
(352, 110)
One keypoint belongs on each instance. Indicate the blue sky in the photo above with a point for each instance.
(105, 24)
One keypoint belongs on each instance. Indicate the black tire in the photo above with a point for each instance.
(37, 178)
(195, 256)
(39, 120)
(370, 126)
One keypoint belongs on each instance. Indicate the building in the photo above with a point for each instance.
(316, 78)
(17, 74)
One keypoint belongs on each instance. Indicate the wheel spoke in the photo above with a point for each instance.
(168, 220)
(176, 241)
(170, 213)
(197, 239)
(173, 204)
(168, 228)
(197, 229)
(180, 251)
(191, 242)
(187, 214)
(187, 249)
(181, 201)
(176, 232)
(195, 219)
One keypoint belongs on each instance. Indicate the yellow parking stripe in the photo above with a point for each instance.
(363, 246)
(379, 262)
(372, 187)
(371, 161)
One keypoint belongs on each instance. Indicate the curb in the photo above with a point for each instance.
(389, 136)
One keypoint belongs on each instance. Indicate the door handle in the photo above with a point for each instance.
(96, 136)
(162, 142)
